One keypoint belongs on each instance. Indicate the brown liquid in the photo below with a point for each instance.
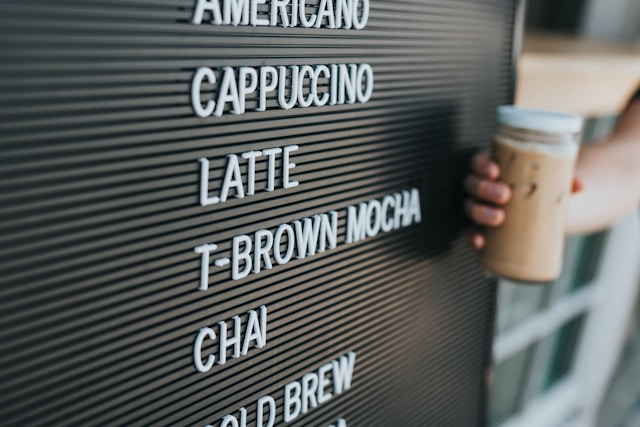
(528, 245)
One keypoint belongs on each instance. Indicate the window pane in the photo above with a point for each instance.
(516, 302)
(552, 359)
(539, 368)
(564, 283)
(566, 342)
(589, 259)
(509, 379)
(582, 257)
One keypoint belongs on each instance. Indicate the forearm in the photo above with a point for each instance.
(610, 172)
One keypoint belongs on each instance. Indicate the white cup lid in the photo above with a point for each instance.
(538, 120)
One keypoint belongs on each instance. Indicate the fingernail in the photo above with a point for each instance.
(496, 192)
(492, 170)
(492, 216)
(484, 213)
(498, 217)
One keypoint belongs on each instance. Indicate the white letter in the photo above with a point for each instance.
(229, 421)
(254, 13)
(323, 382)
(251, 170)
(225, 342)
(291, 397)
(236, 11)
(333, 80)
(356, 223)
(401, 213)
(329, 231)
(260, 413)
(244, 89)
(279, 6)
(203, 334)
(283, 86)
(308, 23)
(307, 236)
(196, 87)
(277, 241)
(205, 250)
(387, 220)
(263, 324)
(305, 69)
(232, 178)
(344, 8)
(253, 332)
(343, 372)
(262, 251)
(414, 207)
(294, 13)
(309, 389)
(204, 5)
(323, 11)
(271, 166)
(347, 83)
(243, 417)
(228, 92)
(264, 87)
(360, 24)
(320, 69)
(205, 200)
(368, 86)
(236, 256)
(374, 220)
(286, 166)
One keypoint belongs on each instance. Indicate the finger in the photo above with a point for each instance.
(577, 185)
(483, 166)
(489, 191)
(483, 214)
(476, 240)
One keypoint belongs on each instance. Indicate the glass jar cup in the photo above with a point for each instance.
(536, 151)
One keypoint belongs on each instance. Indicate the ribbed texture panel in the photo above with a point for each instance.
(99, 303)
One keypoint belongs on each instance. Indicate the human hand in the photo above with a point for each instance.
(488, 196)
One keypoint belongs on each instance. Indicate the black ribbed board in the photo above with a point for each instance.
(100, 215)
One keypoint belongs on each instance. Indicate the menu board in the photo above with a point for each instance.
(244, 213)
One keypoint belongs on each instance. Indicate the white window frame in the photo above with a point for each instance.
(609, 301)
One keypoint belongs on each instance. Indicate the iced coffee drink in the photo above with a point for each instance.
(536, 152)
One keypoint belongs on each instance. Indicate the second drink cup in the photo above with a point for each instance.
(536, 151)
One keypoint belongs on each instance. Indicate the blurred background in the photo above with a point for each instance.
(568, 353)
